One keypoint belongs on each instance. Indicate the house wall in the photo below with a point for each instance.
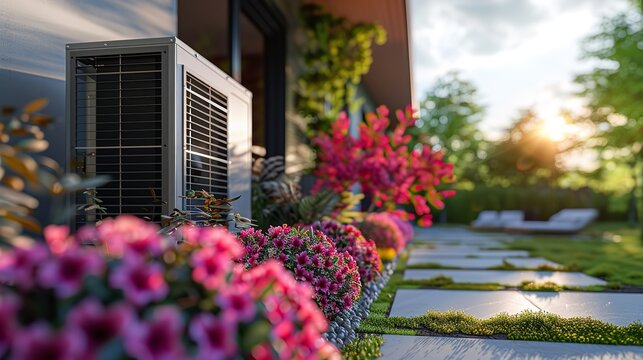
(33, 34)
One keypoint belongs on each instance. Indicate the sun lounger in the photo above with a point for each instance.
(493, 220)
(567, 221)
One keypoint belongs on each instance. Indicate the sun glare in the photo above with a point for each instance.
(555, 128)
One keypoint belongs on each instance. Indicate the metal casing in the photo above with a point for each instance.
(178, 63)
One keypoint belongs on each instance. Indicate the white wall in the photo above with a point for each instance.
(33, 34)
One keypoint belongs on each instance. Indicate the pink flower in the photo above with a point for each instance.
(214, 336)
(236, 303)
(97, 324)
(40, 342)
(210, 267)
(217, 238)
(158, 338)
(8, 310)
(18, 266)
(141, 283)
(128, 233)
(65, 273)
(58, 238)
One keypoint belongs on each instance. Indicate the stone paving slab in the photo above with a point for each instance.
(478, 263)
(446, 348)
(616, 308)
(468, 252)
(511, 278)
(482, 304)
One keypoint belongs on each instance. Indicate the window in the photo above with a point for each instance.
(246, 39)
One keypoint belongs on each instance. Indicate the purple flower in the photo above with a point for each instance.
(40, 342)
(97, 324)
(297, 242)
(279, 243)
(141, 282)
(8, 309)
(322, 284)
(302, 259)
(236, 303)
(65, 273)
(215, 336)
(18, 266)
(157, 338)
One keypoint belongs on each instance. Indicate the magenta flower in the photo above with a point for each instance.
(40, 342)
(209, 267)
(97, 324)
(65, 273)
(214, 336)
(158, 338)
(18, 266)
(236, 303)
(141, 283)
(8, 310)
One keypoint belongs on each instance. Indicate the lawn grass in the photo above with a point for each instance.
(537, 326)
(534, 326)
(364, 347)
(611, 251)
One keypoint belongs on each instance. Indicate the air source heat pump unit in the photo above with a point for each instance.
(158, 119)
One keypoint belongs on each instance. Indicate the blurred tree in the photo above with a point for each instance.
(449, 118)
(614, 91)
(525, 155)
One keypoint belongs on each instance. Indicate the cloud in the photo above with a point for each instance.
(518, 53)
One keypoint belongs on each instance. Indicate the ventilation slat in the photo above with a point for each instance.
(206, 140)
(118, 131)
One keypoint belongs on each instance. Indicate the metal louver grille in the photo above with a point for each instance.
(118, 131)
(206, 139)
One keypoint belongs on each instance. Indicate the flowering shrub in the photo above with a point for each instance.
(405, 226)
(137, 288)
(312, 258)
(381, 161)
(348, 238)
(383, 230)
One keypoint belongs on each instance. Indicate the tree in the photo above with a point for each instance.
(449, 117)
(525, 155)
(614, 91)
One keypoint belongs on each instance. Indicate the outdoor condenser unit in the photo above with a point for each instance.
(158, 119)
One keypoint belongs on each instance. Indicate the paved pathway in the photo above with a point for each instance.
(432, 347)
(473, 254)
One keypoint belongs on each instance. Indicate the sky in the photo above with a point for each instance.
(518, 53)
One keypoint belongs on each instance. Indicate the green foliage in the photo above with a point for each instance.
(25, 171)
(364, 347)
(277, 198)
(213, 211)
(614, 89)
(449, 117)
(533, 326)
(612, 252)
(525, 155)
(336, 55)
(615, 85)
(538, 202)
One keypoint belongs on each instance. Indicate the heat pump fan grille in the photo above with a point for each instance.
(118, 108)
(206, 139)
